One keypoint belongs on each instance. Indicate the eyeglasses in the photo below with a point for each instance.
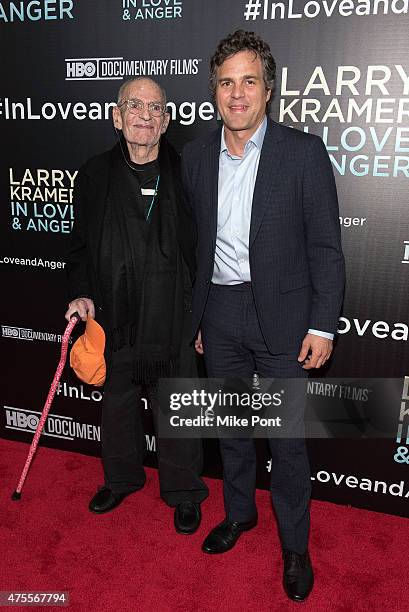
(136, 107)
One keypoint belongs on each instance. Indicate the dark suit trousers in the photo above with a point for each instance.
(234, 346)
(123, 441)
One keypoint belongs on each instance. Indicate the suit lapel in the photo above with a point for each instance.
(268, 174)
(211, 161)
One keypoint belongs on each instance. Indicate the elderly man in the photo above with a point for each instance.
(130, 265)
(269, 282)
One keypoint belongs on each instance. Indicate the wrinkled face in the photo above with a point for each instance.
(141, 129)
(241, 94)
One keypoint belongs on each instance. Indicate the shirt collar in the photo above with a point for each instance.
(257, 138)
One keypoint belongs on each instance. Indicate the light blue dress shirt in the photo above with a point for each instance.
(237, 178)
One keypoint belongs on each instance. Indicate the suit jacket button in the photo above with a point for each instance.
(207, 281)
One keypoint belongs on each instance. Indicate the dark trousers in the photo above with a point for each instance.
(123, 441)
(234, 346)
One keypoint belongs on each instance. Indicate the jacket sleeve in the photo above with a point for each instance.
(76, 259)
(187, 236)
(323, 238)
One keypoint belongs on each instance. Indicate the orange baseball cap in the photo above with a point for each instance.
(87, 355)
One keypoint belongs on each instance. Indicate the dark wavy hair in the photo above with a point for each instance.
(240, 40)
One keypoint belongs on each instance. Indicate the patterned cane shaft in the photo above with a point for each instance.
(49, 400)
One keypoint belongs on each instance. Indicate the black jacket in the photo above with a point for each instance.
(90, 196)
(296, 260)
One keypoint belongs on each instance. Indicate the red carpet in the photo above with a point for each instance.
(132, 559)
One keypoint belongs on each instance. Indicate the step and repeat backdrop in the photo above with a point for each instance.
(343, 73)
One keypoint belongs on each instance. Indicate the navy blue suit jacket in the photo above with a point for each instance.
(296, 261)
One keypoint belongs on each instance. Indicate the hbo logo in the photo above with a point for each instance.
(81, 70)
(24, 421)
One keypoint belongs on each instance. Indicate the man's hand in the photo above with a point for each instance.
(198, 343)
(84, 306)
(319, 348)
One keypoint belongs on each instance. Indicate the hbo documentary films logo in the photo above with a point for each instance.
(56, 425)
(117, 68)
(28, 334)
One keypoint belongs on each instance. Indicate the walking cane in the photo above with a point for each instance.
(64, 348)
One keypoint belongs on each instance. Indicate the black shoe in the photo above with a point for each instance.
(223, 537)
(187, 517)
(105, 500)
(298, 577)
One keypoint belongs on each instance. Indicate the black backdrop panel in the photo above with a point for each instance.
(343, 73)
